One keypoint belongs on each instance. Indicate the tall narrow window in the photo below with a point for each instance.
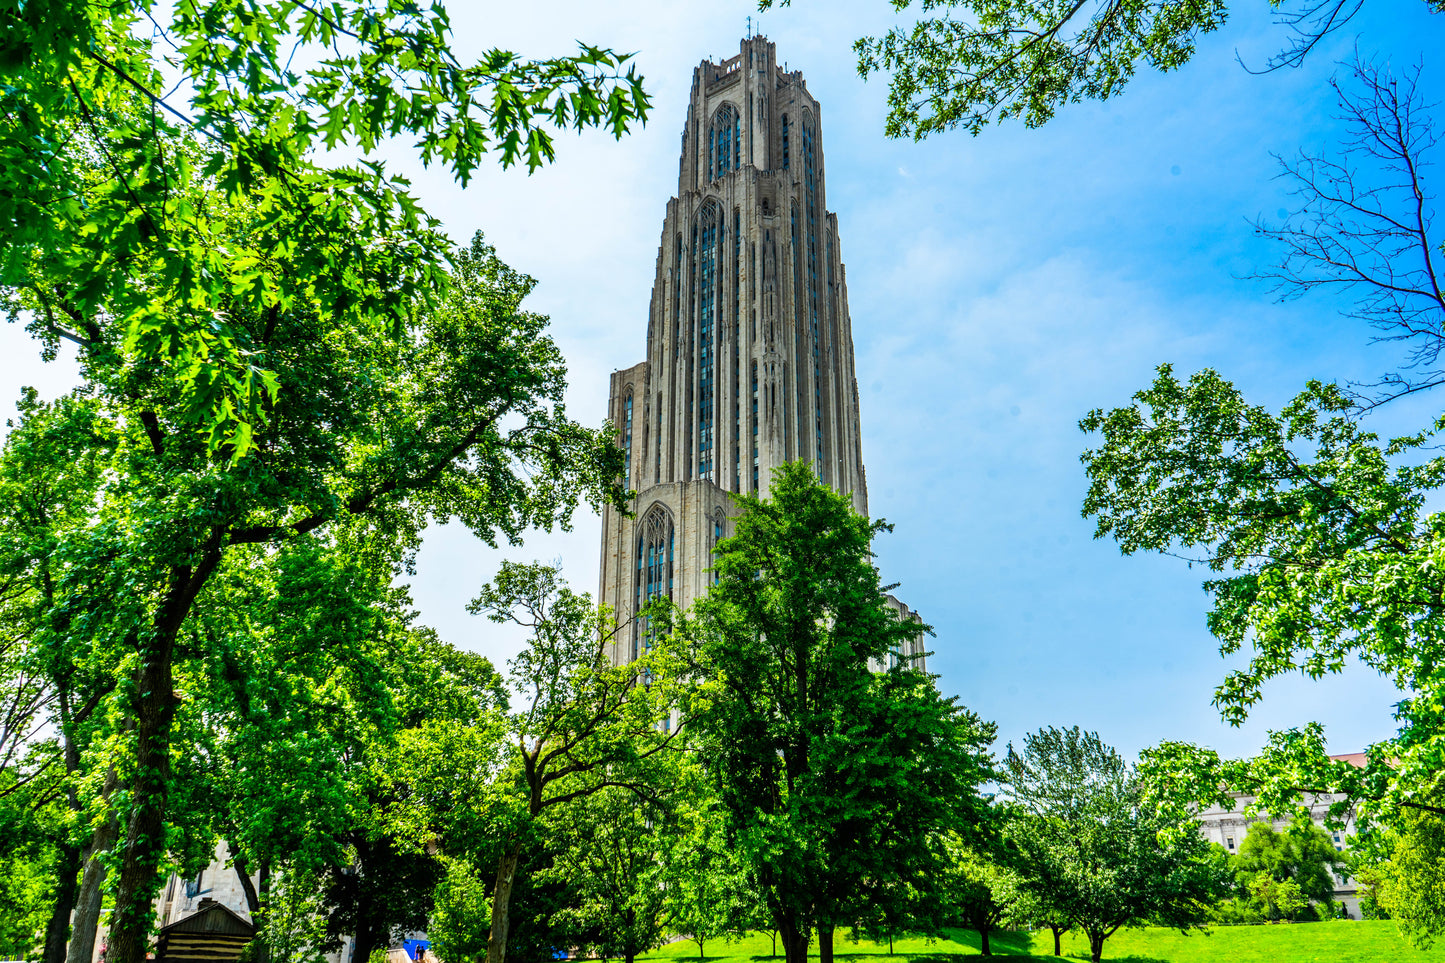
(717, 536)
(785, 142)
(810, 181)
(657, 452)
(708, 256)
(677, 299)
(627, 442)
(737, 383)
(800, 291)
(656, 549)
(755, 427)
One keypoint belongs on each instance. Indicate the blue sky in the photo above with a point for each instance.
(1000, 287)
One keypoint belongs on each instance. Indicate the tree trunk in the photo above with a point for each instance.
(701, 954)
(795, 941)
(57, 931)
(501, 896)
(260, 951)
(775, 942)
(1096, 946)
(145, 842)
(88, 899)
(365, 943)
(1058, 932)
(890, 944)
(825, 944)
(983, 940)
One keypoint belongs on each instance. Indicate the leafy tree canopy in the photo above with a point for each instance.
(111, 225)
(1408, 884)
(1091, 847)
(1302, 854)
(968, 63)
(836, 780)
(1323, 543)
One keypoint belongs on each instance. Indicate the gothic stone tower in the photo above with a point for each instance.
(749, 343)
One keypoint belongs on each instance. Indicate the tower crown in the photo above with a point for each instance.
(745, 112)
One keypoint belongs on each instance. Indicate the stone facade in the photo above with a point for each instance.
(749, 342)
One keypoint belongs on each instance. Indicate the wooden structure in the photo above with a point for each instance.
(212, 934)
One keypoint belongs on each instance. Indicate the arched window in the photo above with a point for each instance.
(656, 549)
(724, 144)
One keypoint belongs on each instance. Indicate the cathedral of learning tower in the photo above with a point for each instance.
(749, 344)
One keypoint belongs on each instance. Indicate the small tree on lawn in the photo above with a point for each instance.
(1093, 849)
(982, 892)
(581, 725)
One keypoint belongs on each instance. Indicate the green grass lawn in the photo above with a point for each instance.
(1344, 941)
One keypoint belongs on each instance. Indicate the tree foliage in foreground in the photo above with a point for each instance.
(1324, 548)
(455, 414)
(136, 229)
(968, 63)
(1401, 871)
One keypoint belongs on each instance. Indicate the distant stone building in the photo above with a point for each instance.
(749, 359)
(1227, 827)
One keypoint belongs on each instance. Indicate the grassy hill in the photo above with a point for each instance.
(1344, 941)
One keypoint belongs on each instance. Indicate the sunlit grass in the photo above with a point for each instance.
(1342, 941)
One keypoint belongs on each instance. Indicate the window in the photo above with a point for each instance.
(656, 549)
(737, 384)
(197, 887)
(1229, 842)
(717, 536)
(708, 233)
(785, 142)
(755, 426)
(724, 144)
(627, 441)
(810, 181)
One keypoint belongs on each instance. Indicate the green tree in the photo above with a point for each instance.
(968, 63)
(32, 819)
(1408, 883)
(1276, 899)
(131, 227)
(834, 779)
(1092, 848)
(456, 414)
(981, 893)
(614, 848)
(1303, 855)
(579, 725)
(1034, 909)
(708, 893)
(200, 275)
(49, 471)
